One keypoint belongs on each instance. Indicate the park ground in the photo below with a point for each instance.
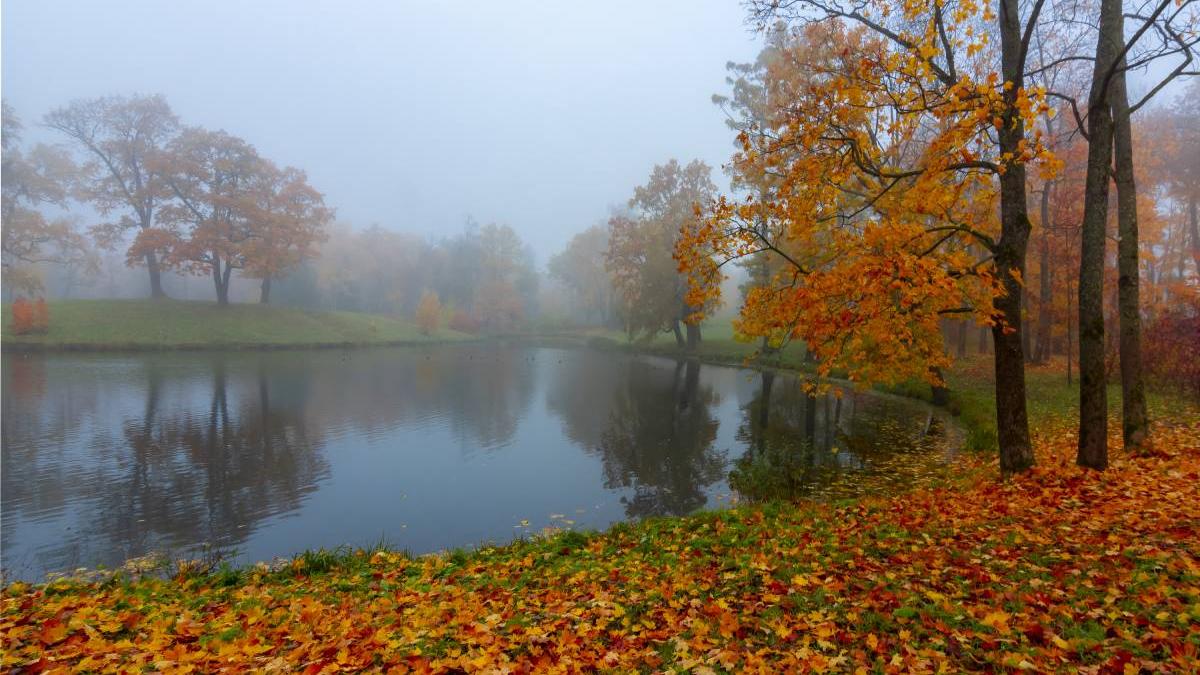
(177, 324)
(1058, 569)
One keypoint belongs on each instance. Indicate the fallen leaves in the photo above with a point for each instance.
(1057, 570)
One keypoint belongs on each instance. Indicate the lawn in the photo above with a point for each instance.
(176, 324)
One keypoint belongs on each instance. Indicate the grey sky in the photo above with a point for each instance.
(412, 115)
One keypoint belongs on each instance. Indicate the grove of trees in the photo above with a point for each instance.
(175, 198)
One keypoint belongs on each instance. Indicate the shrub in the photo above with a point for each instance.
(30, 317)
(1171, 347)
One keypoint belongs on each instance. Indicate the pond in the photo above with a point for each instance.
(265, 454)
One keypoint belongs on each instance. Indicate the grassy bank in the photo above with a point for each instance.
(176, 324)
(1058, 569)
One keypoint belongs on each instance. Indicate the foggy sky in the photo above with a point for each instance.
(412, 115)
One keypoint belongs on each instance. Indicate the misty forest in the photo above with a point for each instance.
(721, 337)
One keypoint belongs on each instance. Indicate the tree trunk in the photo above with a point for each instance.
(678, 334)
(264, 293)
(1012, 420)
(219, 281)
(982, 345)
(1134, 424)
(962, 339)
(940, 392)
(156, 289)
(1093, 401)
(693, 337)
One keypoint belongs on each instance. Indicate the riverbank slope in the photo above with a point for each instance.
(1058, 569)
(98, 325)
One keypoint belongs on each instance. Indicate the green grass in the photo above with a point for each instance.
(177, 324)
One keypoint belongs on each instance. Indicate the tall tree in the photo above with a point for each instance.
(120, 135)
(1109, 123)
(640, 256)
(288, 218)
(211, 223)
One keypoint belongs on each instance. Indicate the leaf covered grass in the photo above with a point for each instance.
(177, 324)
(1059, 569)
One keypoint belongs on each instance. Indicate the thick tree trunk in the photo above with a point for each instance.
(220, 281)
(264, 292)
(678, 334)
(1012, 420)
(693, 337)
(1134, 424)
(1093, 401)
(156, 289)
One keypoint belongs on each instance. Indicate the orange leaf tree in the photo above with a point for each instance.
(885, 177)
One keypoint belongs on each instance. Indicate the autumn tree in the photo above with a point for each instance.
(119, 135)
(641, 248)
(429, 312)
(902, 136)
(209, 225)
(580, 268)
(506, 278)
(288, 220)
(42, 177)
(1108, 129)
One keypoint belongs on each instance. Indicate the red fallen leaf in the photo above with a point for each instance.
(315, 667)
(53, 632)
(1035, 633)
(1117, 663)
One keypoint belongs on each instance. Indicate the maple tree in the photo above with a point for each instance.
(120, 135)
(640, 260)
(894, 143)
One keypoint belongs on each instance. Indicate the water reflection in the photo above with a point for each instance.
(107, 457)
(805, 444)
(97, 477)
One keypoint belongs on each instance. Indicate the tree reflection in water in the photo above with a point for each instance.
(178, 476)
(654, 434)
(803, 445)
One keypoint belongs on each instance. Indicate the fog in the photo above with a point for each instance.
(411, 115)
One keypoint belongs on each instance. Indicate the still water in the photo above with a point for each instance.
(109, 457)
